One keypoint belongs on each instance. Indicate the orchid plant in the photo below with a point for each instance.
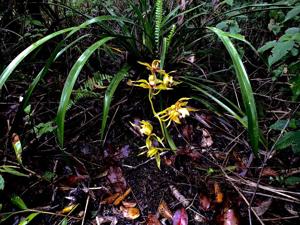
(159, 80)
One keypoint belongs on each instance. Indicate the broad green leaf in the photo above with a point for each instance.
(17, 201)
(28, 219)
(280, 50)
(267, 46)
(109, 95)
(1, 183)
(292, 180)
(292, 13)
(289, 139)
(229, 2)
(246, 89)
(281, 124)
(69, 84)
(295, 87)
(64, 222)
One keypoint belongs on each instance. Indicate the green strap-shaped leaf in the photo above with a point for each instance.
(109, 95)
(246, 89)
(28, 219)
(69, 84)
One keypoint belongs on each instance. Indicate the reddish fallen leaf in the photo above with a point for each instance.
(205, 202)
(179, 196)
(230, 218)
(74, 180)
(128, 204)
(187, 131)
(152, 220)
(180, 217)
(269, 172)
(263, 207)
(110, 199)
(206, 141)
(218, 193)
(116, 178)
(130, 213)
(122, 197)
(164, 210)
(193, 154)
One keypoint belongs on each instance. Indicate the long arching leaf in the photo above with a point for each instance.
(69, 84)
(246, 89)
(10, 68)
(109, 95)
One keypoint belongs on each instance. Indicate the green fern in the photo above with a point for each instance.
(171, 34)
(89, 87)
(158, 20)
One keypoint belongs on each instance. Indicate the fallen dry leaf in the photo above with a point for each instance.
(193, 154)
(164, 210)
(130, 213)
(263, 207)
(128, 204)
(269, 172)
(15, 139)
(122, 197)
(218, 193)
(106, 219)
(152, 220)
(110, 199)
(73, 180)
(68, 209)
(180, 217)
(230, 218)
(179, 196)
(205, 202)
(206, 141)
(116, 178)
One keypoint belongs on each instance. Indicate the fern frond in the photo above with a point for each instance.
(158, 20)
(171, 34)
(89, 87)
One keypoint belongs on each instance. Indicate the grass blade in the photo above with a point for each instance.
(109, 95)
(246, 89)
(69, 84)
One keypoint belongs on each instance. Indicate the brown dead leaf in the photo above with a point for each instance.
(110, 199)
(187, 132)
(116, 178)
(130, 213)
(128, 204)
(205, 202)
(218, 193)
(206, 141)
(152, 220)
(263, 207)
(269, 172)
(164, 210)
(122, 197)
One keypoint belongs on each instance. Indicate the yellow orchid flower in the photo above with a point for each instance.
(144, 127)
(176, 112)
(154, 67)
